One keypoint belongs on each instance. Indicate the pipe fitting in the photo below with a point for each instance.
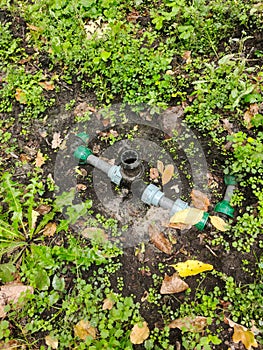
(224, 206)
(81, 154)
(152, 195)
(114, 174)
(131, 166)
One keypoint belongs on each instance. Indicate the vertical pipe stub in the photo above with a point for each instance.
(131, 166)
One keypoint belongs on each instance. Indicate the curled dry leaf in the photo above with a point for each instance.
(167, 174)
(159, 240)
(218, 223)
(242, 334)
(154, 173)
(189, 216)
(11, 292)
(108, 304)
(40, 159)
(51, 341)
(173, 284)
(200, 200)
(81, 187)
(50, 229)
(191, 267)
(139, 333)
(196, 324)
(83, 329)
(43, 209)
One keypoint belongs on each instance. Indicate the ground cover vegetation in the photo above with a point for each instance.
(64, 284)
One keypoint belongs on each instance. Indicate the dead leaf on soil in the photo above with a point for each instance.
(159, 240)
(81, 187)
(108, 304)
(11, 292)
(139, 333)
(56, 141)
(242, 334)
(83, 108)
(51, 341)
(40, 159)
(35, 215)
(250, 113)
(200, 200)
(173, 284)
(11, 345)
(167, 174)
(83, 329)
(154, 173)
(24, 158)
(218, 223)
(160, 166)
(180, 226)
(47, 85)
(189, 216)
(187, 57)
(50, 229)
(133, 16)
(20, 96)
(191, 267)
(43, 209)
(227, 126)
(196, 324)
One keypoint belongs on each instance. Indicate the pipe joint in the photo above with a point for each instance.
(115, 174)
(152, 195)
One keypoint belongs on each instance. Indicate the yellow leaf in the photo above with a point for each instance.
(51, 341)
(219, 223)
(167, 174)
(139, 333)
(40, 159)
(245, 336)
(50, 229)
(83, 329)
(173, 284)
(191, 267)
(196, 324)
(189, 216)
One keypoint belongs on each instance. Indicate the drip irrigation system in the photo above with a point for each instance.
(130, 171)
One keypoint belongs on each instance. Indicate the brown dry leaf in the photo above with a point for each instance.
(40, 159)
(133, 16)
(200, 200)
(196, 324)
(228, 126)
(242, 334)
(187, 57)
(108, 304)
(47, 85)
(191, 267)
(167, 174)
(250, 113)
(218, 223)
(180, 226)
(20, 96)
(189, 216)
(11, 292)
(51, 341)
(139, 333)
(43, 209)
(83, 108)
(159, 240)
(11, 345)
(154, 173)
(173, 284)
(34, 28)
(83, 329)
(24, 158)
(56, 141)
(160, 166)
(50, 229)
(81, 187)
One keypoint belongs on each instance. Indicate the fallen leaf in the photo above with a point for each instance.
(200, 200)
(83, 329)
(40, 159)
(187, 57)
(81, 187)
(133, 16)
(196, 324)
(159, 240)
(242, 334)
(47, 85)
(145, 296)
(180, 226)
(56, 141)
(20, 96)
(35, 215)
(228, 126)
(24, 158)
(83, 108)
(50, 229)
(189, 216)
(43, 209)
(94, 233)
(154, 173)
(173, 284)
(11, 292)
(51, 341)
(108, 304)
(191, 267)
(219, 223)
(167, 174)
(160, 166)
(139, 333)
(11, 345)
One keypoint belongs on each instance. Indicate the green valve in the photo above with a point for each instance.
(81, 154)
(230, 180)
(201, 224)
(225, 208)
(83, 136)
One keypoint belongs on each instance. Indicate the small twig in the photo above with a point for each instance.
(211, 251)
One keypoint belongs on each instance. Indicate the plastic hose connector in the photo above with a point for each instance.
(201, 224)
(152, 195)
(81, 154)
(83, 136)
(115, 174)
(178, 205)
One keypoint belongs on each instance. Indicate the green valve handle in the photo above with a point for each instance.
(224, 206)
(83, 136)
(81, 154)
(201, 224)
